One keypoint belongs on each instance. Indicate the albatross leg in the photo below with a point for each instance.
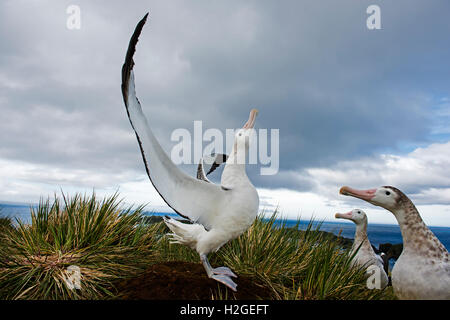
(220, 277)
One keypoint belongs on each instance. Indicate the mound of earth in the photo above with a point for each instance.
(177, 280)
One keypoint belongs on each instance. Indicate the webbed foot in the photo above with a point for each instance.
(226, 280)
(224, 271)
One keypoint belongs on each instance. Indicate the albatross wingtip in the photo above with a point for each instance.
(129, 63)
(134, 39)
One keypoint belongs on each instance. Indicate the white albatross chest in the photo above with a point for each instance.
(421, 277)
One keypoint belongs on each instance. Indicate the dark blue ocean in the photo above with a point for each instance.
(378, 233)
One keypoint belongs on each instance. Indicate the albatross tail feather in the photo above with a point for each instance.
(183, 233)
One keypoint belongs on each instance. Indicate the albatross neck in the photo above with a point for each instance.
(234, 171)
(416, 235)
(361, 237)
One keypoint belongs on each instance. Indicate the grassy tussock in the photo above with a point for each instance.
(5, 222)
(103, 240)
(6, 225)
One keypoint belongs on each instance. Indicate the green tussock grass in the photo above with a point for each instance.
(104, 240)
(5, 222)
(109, 243)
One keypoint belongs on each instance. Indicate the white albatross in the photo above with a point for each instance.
(219, 213)
(423, 269)
(364, 254)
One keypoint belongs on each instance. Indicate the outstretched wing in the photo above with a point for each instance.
(208, 164)
(191, 198)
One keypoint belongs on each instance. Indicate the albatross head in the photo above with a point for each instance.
(386, 197)
(356, 215)
(243, 136)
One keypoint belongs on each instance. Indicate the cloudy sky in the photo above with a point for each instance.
(354, 106)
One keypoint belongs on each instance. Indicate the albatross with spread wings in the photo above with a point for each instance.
(219, 213)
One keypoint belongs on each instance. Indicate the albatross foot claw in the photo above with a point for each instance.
(224, 271)
(226, 280)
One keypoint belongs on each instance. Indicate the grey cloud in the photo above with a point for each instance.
(334, 89)
(421, 174)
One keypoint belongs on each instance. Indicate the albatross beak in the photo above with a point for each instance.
(366, 195)
(251, 119)
(347, 215)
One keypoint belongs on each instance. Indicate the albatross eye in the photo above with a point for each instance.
(388, 193)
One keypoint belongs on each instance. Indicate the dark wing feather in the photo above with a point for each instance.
(189, 197)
